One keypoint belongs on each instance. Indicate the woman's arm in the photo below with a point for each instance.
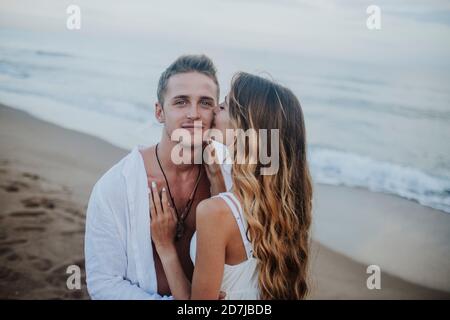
(212, 227)
(212, 230)
(178, 282)
(163, 227)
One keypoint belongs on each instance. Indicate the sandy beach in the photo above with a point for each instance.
(46, 175)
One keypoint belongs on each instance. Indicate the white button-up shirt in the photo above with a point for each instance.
(118, 249)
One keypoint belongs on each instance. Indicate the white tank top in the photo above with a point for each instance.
(240, 282)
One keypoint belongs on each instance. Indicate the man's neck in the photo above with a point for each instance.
(165, 148)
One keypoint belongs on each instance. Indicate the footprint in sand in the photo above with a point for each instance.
(31, 176)
(58, 277)
(42, 264)
(8, 274)
(15, 186)
(31, 202)
(5, 251)
(29, 229)
(32, 257)
(13, 242)
(28, 214)
(68, 219)
(36, 202)
(13, 257)
(74, 212)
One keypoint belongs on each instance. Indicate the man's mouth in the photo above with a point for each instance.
(192, 126)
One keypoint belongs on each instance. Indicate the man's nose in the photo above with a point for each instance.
(193, 112)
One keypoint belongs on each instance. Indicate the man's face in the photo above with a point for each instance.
(190, 97)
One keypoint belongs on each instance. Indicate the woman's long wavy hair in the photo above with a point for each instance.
(278, 206)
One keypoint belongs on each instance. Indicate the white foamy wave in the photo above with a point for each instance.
(336, 167)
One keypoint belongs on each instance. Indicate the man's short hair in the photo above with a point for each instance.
(187, 63)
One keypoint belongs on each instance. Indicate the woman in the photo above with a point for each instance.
(252, 242)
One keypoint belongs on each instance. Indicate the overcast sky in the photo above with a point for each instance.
(412, 31)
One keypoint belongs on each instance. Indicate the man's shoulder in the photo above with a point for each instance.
(109, 195)
(113, 180)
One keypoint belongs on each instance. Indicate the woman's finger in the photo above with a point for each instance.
(165, 203)
(214, 168)
(156, 199)
(173, 213)
(215, 165)
(168, 208)
(152, 205)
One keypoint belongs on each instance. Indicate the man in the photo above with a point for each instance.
(121, 262)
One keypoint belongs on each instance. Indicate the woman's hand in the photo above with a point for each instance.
(214, 171)
(163, 221)
(163, 228)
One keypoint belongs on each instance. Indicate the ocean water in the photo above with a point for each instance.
(369, 126)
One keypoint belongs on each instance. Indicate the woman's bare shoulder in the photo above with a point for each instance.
(214, 212)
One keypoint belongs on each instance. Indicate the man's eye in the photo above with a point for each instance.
(206, 103)
(180, 102)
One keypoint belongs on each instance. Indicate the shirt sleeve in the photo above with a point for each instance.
(106, 258)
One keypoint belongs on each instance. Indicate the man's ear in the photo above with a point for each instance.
(159, 113)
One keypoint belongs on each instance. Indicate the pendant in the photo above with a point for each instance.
(179, 231)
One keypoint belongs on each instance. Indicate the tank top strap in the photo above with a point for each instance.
(236, 209)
